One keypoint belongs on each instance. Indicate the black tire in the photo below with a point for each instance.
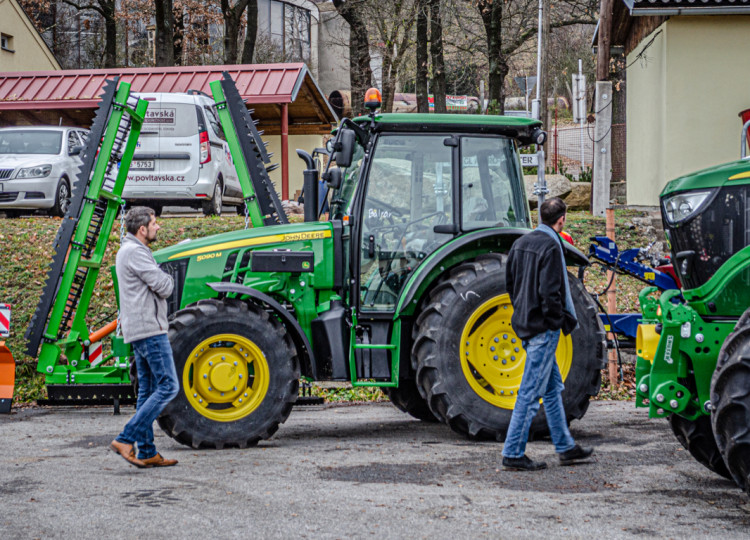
(436, 352)
(202, 322)
(407, 398)
(697, 437)
(157, 208)
(62, 199)
(730, 404)
(240, 209)
(212, 206)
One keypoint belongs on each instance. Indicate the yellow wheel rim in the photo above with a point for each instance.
(492, 357)
(226, 377)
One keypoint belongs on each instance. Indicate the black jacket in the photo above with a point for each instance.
(534, 276)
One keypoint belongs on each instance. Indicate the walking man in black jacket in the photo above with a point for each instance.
(537, 282)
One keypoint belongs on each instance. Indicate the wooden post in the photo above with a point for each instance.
(602, 173)
(604, 42)
(611, 300)
(285, 152)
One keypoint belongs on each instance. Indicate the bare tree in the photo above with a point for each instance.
(232, 19)
(360, 72)
(423, 105)
(251, 32)
(436, 52)
(107, 10)
(164, 34)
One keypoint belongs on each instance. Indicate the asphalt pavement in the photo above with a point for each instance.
(357, 471)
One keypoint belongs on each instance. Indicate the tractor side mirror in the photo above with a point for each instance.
(344, 148)
(333, 177)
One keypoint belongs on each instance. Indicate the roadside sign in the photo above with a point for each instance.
(529, 160)
(4, 320)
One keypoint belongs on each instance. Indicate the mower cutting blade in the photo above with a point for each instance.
(7, 378)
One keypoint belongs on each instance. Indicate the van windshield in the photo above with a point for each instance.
(30, 141)
(170, 120)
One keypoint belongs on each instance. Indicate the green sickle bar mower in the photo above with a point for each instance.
(401, 284)
(693, 345)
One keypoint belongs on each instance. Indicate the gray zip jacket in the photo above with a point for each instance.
(143, 288)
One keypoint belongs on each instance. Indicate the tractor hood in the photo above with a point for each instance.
(262, 236)
(716, 176)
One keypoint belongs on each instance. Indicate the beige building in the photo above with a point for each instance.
(21, 46)
(687, 81)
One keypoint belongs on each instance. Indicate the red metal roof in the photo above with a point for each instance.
(32, 95)
(260, 83)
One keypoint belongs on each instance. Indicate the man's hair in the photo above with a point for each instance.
(137, 217)
(552, 210)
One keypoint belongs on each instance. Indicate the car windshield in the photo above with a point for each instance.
(30, 141)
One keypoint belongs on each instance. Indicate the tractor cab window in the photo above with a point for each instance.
(409, 192)
(489, 195)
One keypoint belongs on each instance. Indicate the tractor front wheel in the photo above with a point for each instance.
(730, 405)
(470, 362)
(238, 371)
(697, 437)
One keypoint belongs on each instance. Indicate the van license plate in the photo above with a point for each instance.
(142, 165)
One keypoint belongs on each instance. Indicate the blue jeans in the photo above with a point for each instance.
(541, 379)
(157, 386)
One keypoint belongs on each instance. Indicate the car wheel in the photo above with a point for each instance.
(62, 199)
(212, 207)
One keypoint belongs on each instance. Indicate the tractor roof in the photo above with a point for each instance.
(509, 126)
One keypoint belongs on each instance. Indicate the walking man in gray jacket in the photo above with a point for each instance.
(144, 288)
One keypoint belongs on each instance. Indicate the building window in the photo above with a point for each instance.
(288, 26)
(6, 42)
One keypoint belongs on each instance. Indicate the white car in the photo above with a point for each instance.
(38, 165)
(182, 158)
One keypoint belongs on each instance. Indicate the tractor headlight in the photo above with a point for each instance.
(680, 207)
(34, 172)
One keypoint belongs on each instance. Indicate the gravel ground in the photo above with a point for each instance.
(354, 472)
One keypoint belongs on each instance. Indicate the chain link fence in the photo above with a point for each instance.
(571, 149)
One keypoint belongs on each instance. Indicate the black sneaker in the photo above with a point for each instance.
(577, 453)
(522, 464)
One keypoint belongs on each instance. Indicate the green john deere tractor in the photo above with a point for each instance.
(693, 362)
(396, 279)
(401, 286)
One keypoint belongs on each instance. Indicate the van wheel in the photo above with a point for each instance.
(212, 207)
(157, 208)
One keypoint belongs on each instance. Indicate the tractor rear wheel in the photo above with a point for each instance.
(730, 404)
(470, 362)
(406, 398)
(697, 437)
(238, 371)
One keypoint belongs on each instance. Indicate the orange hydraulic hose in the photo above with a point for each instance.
(104, 331)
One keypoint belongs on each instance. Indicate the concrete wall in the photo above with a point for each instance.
(684, 96)
(296, 165)
(28, 50)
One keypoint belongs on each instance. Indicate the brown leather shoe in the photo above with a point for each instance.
(159, 461)
(127, 452)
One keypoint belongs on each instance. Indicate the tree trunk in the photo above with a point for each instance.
(178, 37)
(251, 32)
(423, 105)
(492, 17)
(436, 51)
(389, 82)
(110, 33)
(360, 73)
(543, 86)
(605, 31)
(232, 18)
(164, 38)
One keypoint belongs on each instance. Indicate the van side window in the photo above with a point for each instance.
(213, 119)
(72, 140)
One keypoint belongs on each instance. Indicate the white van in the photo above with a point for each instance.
(182, 158)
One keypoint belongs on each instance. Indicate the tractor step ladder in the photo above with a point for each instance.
(58, 324)
(251, 159)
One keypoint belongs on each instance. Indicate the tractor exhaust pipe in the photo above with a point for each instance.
(310, 186)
